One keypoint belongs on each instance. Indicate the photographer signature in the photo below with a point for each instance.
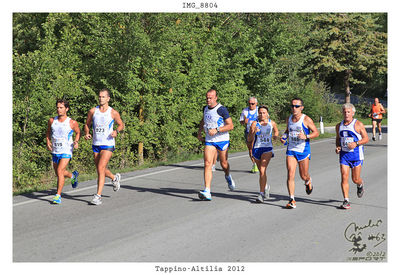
(354, 234)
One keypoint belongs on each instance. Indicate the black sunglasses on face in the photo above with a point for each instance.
(296, 106)
(252, 103)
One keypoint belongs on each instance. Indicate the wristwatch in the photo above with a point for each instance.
(357, 143)
(217, 129)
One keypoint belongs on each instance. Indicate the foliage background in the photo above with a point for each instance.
(159, 66)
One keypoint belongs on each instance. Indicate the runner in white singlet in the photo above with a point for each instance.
(248, 115)
(59, 138)
(299, 130)
(350, 139)
(103, 118)
(216, 123)
(260, 137)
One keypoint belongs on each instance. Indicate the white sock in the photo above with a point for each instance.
(207, 190)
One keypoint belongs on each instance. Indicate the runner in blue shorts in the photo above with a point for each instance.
(350, 138)
(260, 139)
(300, 129)
(248, 115)
(216, 123)
(59, 137)
(102, 119)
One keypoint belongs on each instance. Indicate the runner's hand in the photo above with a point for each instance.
(88, 136)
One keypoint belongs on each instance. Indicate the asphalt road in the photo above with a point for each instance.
(157, 216)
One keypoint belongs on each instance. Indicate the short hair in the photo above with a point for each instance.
(263, 106)
(63, 101)
(298, 98)
(213, 90)
(252, 97)
(349, 106)
(105, 90)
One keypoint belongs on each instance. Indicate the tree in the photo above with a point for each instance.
(346, 46)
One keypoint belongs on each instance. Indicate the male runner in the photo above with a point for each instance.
(248, 115)
(300, 129)
(59, 141)
(350, 138)
(216, 123)
(103, 118)
(260, 138)
(376, 114)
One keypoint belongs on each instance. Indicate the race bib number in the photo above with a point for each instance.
(345, 143)
(58, 144)
(210, 125)
(375, 115)
(264, 138)
(293, 137)
(100, 131)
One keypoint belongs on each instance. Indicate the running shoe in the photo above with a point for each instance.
(96, 200)
(360, 190)
(57, 199)
(115, 182)
(380, 137)
(231, 183)
(213, 168)
(308, 188)
(254, 169)
(267, 188)
(373, 138)
(74, 179)
(291, 204)
(345, 204)
(260, 198)
(205, 195)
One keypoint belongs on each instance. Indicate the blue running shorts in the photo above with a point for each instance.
(297, 155)
(57, 157)
(343, 159)
(98, 148)
(350, 163)
(221, 146)
(257, 152)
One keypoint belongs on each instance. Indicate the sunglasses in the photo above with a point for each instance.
(252, 103)
(296, 106)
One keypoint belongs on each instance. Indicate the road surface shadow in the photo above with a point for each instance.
(277, 198)
(201, 167)
(43, 196)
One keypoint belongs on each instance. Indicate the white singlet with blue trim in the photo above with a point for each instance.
(264, 136)
(213, 120)
(294, 142)
(251, 115)
(103, 127)
(347, 135)
(61, 136)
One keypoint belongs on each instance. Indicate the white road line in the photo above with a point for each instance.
(145, 175)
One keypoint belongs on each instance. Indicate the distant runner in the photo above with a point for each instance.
(376, 114)
(248, 115)
(260, 137)
(59, 138)
(216, 123)
(350, 138)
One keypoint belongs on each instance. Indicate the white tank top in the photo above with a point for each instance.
(349, 134)
(264, 136)
(294, 142)
(103, 127)
(61, 136)
(213, 120)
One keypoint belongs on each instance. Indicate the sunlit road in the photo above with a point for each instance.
(157, 216)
